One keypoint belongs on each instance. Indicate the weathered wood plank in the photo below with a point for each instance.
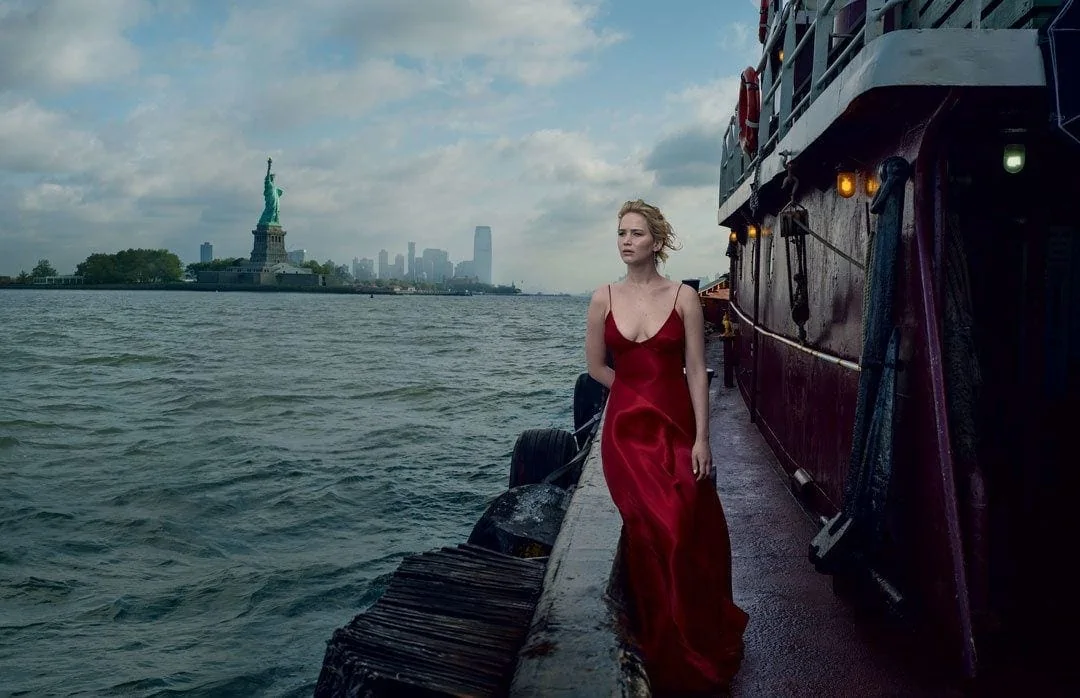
(439, 634)
(417, 657)
(474, 635)
(493, 560)
(436, 654)
(387, 665)
(511, 581)
(456, 593)
(449, 624)
(436, 584)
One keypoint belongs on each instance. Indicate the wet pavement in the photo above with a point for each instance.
(803, 639)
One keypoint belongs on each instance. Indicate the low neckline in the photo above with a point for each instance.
(611, 315)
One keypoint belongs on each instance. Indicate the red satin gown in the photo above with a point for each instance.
(677, 552)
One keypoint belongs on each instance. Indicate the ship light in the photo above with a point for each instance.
(733, 237)
(845, 184)
(781, 55)
(871, 185)
(752, 232)
(1014, 157)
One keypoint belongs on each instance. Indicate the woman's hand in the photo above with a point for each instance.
(701, 459)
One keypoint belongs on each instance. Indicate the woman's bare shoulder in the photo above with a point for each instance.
(688, 300)
(600, 296)
(680, 289)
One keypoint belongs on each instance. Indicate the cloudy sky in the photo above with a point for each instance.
(147, 123)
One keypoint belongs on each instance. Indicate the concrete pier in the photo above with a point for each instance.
(575, 645)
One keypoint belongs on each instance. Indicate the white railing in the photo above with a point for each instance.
(825, 356)
(735, 164)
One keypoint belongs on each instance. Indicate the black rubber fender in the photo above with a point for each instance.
(538, 453)
(589, 398)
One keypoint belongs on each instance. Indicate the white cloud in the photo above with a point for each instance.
(49, 196)
(400, 127)
(340, 93)
(54, 43)
(711, 104)
(554, 156)
(536, 42)
(35, 140)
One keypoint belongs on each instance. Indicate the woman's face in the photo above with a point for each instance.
(635, 241)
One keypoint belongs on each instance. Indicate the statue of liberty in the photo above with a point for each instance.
(272, 197)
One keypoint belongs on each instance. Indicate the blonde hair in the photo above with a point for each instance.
(659, 228)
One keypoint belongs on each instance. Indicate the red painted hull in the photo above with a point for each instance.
(949, 543)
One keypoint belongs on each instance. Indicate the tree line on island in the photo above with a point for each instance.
(145, 266)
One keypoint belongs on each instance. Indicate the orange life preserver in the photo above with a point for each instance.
(763, 21)
(749, 110)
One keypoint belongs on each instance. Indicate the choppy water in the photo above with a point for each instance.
(197, 488)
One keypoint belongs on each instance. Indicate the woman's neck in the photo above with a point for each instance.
(644, 275)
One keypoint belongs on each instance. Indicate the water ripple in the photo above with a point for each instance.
(196, 489)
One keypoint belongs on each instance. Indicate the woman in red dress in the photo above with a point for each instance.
(658, 464)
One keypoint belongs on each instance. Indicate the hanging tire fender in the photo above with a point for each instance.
(589, 398)
(540, 452)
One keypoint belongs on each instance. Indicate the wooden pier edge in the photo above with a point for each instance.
(468, 621)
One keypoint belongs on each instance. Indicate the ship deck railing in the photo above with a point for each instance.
(778, 88)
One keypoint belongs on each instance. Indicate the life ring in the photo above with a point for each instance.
(763, 21)
(749, 111)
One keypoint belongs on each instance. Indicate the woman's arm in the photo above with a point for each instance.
(696, 376)
(595, 349)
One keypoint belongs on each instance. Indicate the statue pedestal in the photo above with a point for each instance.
(269, 247)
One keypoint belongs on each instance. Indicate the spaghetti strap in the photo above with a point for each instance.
(609, 298)
(676, 301)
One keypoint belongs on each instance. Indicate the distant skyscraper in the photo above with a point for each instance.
(367, 269)
(206, 252)
(399, 267)
(296, 256)
(436, 265)
(482, 253)
(412, 261)
(465, 270)
(384, 264)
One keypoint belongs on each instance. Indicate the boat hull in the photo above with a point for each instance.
(959, 518)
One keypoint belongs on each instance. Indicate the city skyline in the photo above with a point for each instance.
(386, 122)
(413, 267)
(208, 246)
(299, 255)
